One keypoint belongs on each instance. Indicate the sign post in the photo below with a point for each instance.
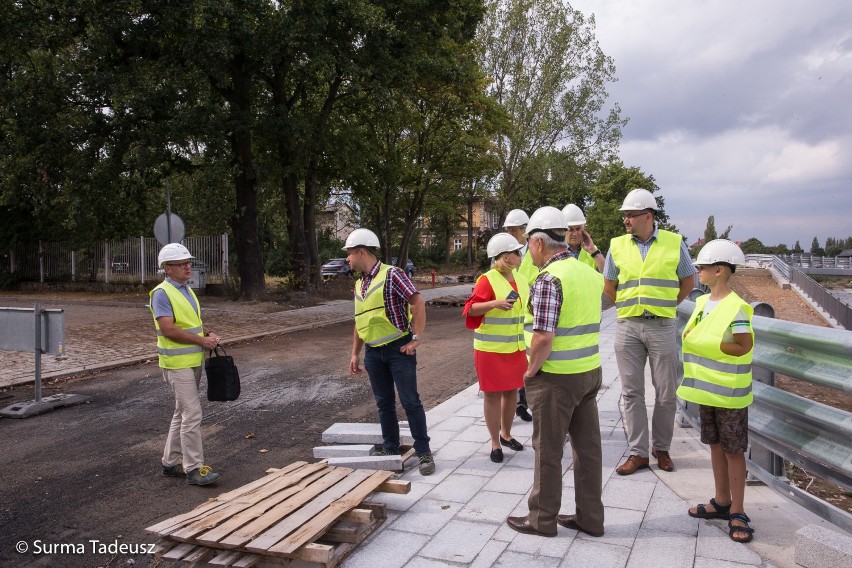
(40, 331)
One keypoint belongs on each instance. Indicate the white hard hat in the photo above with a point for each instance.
(545, 218)
(720, 250)
(502, 242)
(638, 200)
(573, 215)
(516, 218)
(173, 251)
(361, 238)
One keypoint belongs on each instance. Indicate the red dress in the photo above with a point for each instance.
(495, 371)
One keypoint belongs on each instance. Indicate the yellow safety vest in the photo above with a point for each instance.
(371, 319)
(502, 331)
(527, 271)
(710, 377)
(652, 285)
(575, 346)
(174, 355)
(584, 257)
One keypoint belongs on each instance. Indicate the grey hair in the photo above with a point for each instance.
(548, 241)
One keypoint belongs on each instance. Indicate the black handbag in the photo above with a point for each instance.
(223, 379)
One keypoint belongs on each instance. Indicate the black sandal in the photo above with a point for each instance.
(721, 511)
(732, 528)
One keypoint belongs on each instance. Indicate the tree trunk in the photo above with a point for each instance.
(295, 224)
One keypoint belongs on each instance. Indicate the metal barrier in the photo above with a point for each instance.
(813, 436)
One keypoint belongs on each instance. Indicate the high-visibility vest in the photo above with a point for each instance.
(710, 377)
(174, 355)
(371, 319)
(527, 271)
(575, 345)
(584, 257)
(652, 285)
(502, 331)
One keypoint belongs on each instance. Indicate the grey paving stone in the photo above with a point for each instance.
(475, 433)
(511, 480)
(386, 463)
(439, 439)
(427, 516)
(650, 547)
(620, 526)
(374, 553)
(628, 492)
(714, 543)
(510, 559)
(555, 547)
(474, 409)
(344, 451)
(819, 547)
(489, 554)
(489, 507)
(479, 464)
(443, 469)
(714, 563)
(454, 423)
(420, 562)
(505, 533)
(593, 553)
(458, 488)
(360, 433)
(459, 541)
(398, 502)
(669, 515)
(457, 450)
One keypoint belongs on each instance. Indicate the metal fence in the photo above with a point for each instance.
(807, 260)
(811, 435)
(120, 261)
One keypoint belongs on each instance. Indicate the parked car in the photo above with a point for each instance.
(409, 266)
(120, 263)
(335, 267)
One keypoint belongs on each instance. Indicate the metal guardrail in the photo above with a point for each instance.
(811, 435)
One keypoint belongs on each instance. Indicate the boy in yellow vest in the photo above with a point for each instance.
(717, 349)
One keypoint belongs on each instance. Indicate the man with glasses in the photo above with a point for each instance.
(580, 243)
(180, 347)
(647, 273)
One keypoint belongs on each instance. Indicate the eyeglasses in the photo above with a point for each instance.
(626, 216)
(179, 264)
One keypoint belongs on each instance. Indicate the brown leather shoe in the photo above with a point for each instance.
(570, 522)
(631, 464)
(664, 461)
(522, 525)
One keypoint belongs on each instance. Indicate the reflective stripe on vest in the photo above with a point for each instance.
(575, 344)
(652, 284)
(501, 331)
(171, 354)
(711, 377)
(371, 319)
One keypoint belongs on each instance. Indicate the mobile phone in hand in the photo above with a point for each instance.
(512, 295)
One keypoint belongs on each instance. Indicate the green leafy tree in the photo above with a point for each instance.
(753, 246)
(550, 75)
(816, 249)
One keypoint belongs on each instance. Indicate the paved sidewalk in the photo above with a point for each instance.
(120, 334)
(457, 515)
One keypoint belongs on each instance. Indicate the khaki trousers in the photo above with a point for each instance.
(184, 439)
(566, 405)
(637, 341)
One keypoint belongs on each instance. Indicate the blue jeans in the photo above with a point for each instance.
(387, 367)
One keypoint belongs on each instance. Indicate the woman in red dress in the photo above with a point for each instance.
(496, 311)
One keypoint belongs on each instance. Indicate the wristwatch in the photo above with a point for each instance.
(596, 253)
(415, 337)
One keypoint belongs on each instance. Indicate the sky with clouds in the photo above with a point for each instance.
(739, 109)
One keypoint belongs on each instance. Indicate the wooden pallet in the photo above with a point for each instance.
(315, 513)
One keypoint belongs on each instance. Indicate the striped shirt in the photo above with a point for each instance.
(546, 297)
(684, 265)
(398, 290)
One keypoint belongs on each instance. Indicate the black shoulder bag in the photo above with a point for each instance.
(223, 379)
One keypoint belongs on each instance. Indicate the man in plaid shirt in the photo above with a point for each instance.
(391, 325)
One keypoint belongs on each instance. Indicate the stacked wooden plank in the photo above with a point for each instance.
(310, 512)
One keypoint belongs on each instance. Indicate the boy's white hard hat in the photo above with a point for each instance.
(720, 250)
(516, 218)
(573, 215)
(361, 238)
(173, 251)
(638, 200)
(502, 242)
(545, 218)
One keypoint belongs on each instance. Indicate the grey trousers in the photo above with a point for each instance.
(637, 341)
(566, 405)
(184, 440)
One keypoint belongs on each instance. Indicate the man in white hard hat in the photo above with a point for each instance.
(648, 273)
(562, 328)
(580, 243)
(516, 225)
(390, 318)
(181, 342)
